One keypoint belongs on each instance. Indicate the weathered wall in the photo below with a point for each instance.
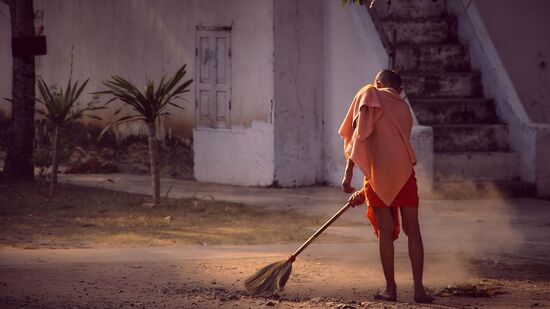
(239, 156)
(5, 57)
(519, 31)
(151, 38)
(298, 103)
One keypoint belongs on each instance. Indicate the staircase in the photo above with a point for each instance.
(472, 157)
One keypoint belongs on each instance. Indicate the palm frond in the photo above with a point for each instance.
(79, 91)
(61, 105)
(150, 103)
(95, 117)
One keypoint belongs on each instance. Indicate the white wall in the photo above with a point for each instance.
(501, 81)
(150, 38)
(133, 39)
(523, 47)
(239, 156)
(298, 104)
(519, 32)
(243, 154)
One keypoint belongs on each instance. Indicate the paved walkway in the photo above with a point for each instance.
(309, 200)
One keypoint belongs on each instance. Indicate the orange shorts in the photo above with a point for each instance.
(407, 197)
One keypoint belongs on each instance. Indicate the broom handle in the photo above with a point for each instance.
(321, 230)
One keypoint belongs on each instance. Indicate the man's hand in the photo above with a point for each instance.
(357, 198)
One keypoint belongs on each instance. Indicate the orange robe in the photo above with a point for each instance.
(377, 140)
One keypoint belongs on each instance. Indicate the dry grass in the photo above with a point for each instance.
(85, 217)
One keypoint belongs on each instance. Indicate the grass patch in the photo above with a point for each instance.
(88, 217)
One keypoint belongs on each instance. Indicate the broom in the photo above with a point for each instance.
(273, 277)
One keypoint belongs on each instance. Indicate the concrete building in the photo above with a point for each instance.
(274, 78)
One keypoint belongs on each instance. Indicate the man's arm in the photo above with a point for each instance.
(358, 197)
(348, 175)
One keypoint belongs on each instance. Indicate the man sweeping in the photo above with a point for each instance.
(376, 132)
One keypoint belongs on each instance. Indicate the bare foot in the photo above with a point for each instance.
(390, 294)
(384, 296)
(423, 298)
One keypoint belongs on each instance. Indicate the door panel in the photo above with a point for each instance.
(214, 78)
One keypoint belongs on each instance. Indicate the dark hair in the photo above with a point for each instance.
(390, 78)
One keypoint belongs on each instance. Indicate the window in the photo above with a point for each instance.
(213, 78)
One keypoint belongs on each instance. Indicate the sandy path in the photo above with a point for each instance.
(327, 276)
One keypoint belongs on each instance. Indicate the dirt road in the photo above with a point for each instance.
(499, 246)
(327, 276)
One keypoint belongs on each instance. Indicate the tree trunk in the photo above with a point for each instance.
(18, 165)
(55, 158)
(154, 161)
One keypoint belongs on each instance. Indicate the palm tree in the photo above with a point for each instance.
(60, 108)
(148, 106)
(18, 164)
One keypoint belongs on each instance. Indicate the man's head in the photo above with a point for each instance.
(389, 79)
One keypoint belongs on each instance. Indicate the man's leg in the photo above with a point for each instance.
(384, 220)
(411, 228)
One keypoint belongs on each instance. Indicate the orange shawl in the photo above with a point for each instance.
(376, 132)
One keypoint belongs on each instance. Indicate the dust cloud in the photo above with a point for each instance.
(459, 232)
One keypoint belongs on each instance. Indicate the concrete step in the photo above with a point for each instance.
(477, 137)
(432, 58)
(426, 31)
(483, 189)
(491, 165)
(411, 9)
(454, 111)
(442, 85)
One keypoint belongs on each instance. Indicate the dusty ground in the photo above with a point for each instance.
(198, 277)
(499, 245)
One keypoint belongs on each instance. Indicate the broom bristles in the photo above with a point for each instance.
(270, 279)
